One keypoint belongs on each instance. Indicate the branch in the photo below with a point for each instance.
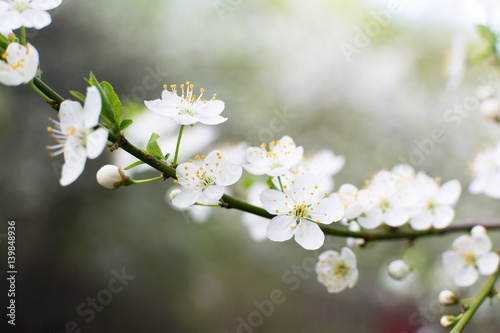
(474, 305)
(230, 202)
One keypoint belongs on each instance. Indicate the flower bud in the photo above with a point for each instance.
(478, 230)
(490, 108)
(112, 177)
(447, 297)
(173, 194)
(398, 269)
(447, 321)
(7, 33)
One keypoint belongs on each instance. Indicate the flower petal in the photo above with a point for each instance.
(422, 221)
(466, 277)
(73, 166)
(96, 141)
(45, 4)
(449, 192)
(487, 263)
(211, 195)
(275, 202)
(443, 216)
(281, 228)
(92, 108)
(186, 198)
(327, 211)
(37, 19)
(309, 235)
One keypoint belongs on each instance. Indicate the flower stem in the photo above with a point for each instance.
(143, 181)
(41, 93)
(476, 302)
(23, 35)
(178, 144)
(281, 185)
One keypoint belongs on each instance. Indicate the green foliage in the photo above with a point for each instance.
(78, 96)
(153, 148)
(112, 110)
(133, 165)
(489, 40)
(125, 123)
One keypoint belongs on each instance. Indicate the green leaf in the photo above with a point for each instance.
(153, 148)
(487, 35)
(79, 96)
(114, 102)
(133, 165)
(126, 123)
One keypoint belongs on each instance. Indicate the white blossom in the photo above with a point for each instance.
(203, 180)
(187, 109)
(322, 165)
(76, 135)
(15, 14)
(337, 271)
(299, 209)
(485, 169)
(471, 256)
(281, 157)
(19, 64)
(434, 206)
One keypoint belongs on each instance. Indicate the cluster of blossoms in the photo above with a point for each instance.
(298, 192)
(19, 63)
(401, 196)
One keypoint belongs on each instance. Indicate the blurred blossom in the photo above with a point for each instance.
(256, 225)
(15, 14)
(337, 271)
(485, 169)
(323, 165)
(471, 256)
(277, 161)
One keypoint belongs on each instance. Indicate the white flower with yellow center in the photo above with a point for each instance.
(203, 180)
(281, 157)
(434, 207)
(390, 201)
(337, 271)
(15, 14)
(187, 109)
(471, 256)
(299, 209)
(18, 65)
(76, 135)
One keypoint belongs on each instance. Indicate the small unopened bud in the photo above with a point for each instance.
(7, 33)
(478, 230)
(398, 269)
(490, 108)
(173, 194)
(447, 297)
(447, 321)
(112, 177)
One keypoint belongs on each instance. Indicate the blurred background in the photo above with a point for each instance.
(370, 80)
